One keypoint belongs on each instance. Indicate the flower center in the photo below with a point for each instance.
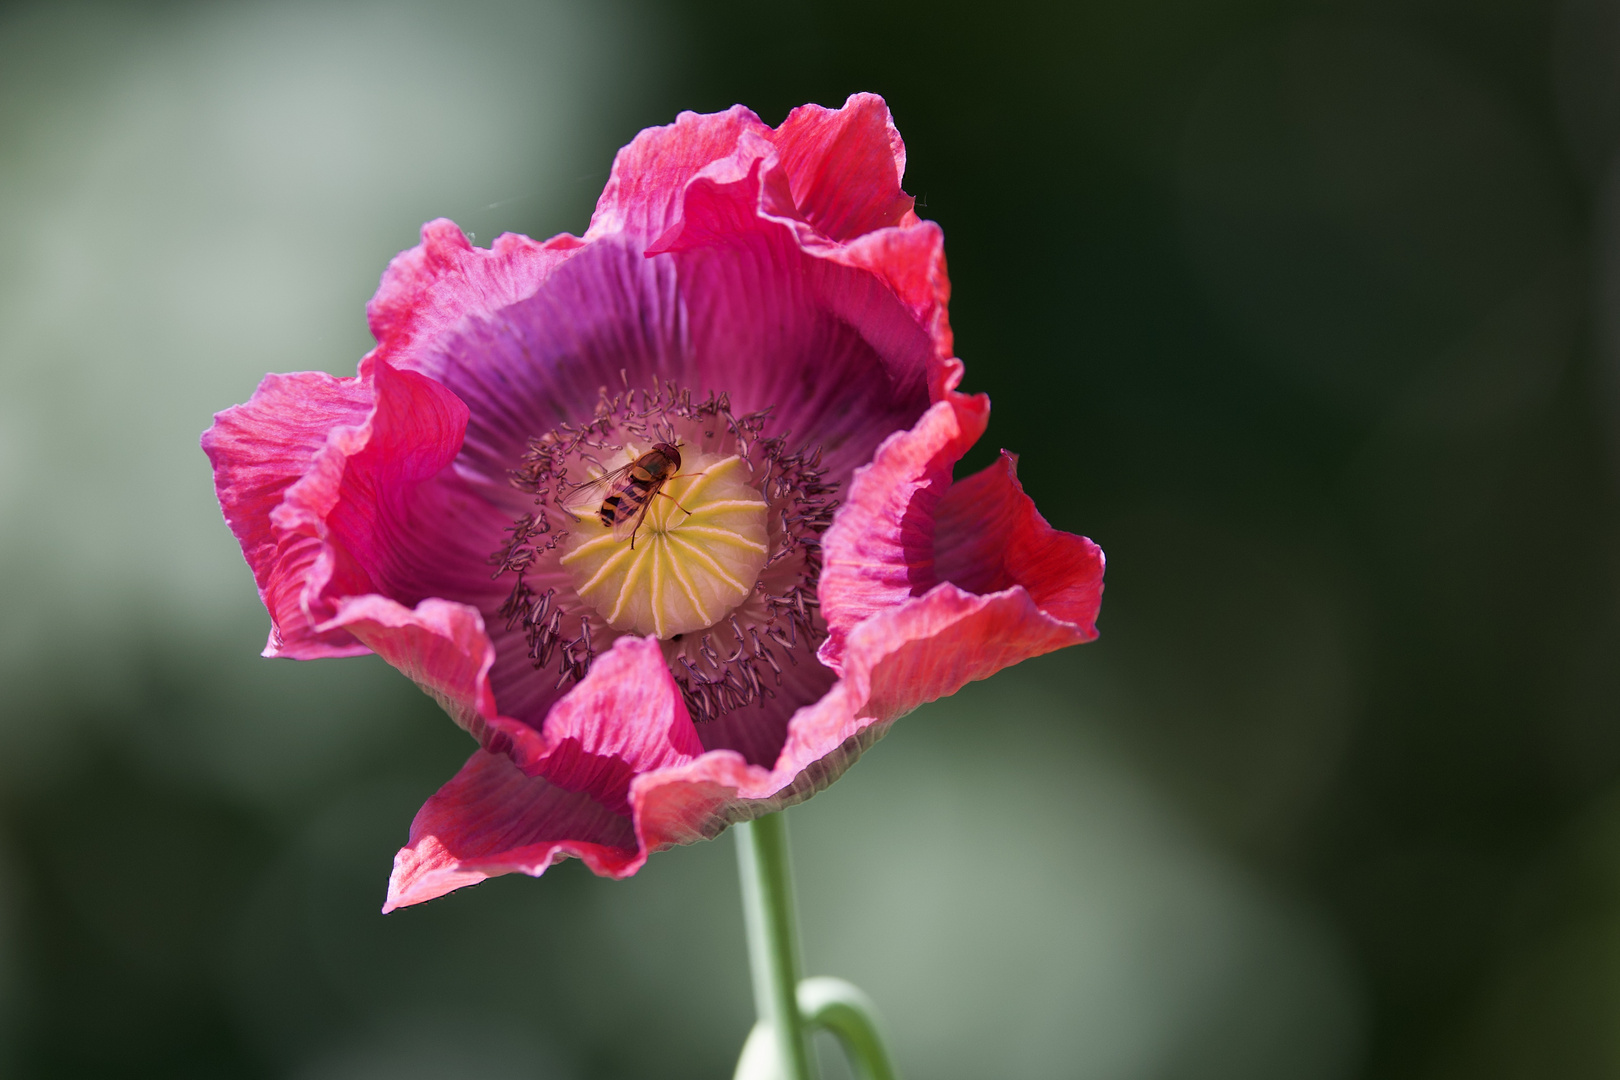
(695, 546)
(668, 516)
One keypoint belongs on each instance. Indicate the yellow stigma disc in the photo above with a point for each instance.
(698, 551)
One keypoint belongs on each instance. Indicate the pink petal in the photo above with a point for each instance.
(571, 795)
(493, 819)
(922, 649)
(644, 190)
(911, 262)
(357, 494)
(258, 451)
(330, 484)
(934, 645)
(989, 537)
(429, 289)
(394, 522)
(844, 166)
(844, 169)
(833, 176)
(721, 202)
(879, 551)
(625, 718)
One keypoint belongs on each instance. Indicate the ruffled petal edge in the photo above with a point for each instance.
(879, 551)
(261, 449)
(429, 289)
(988, 537)
(806, 168)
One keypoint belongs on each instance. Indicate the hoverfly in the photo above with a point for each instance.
(630, 489)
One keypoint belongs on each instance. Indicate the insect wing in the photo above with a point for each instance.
(585, 499)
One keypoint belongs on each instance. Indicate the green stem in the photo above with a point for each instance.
(839, 1007)
(773, 940)
(778, 1047)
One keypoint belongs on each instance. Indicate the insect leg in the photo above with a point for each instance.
(674, 500)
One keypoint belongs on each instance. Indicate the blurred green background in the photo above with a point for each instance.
(1306, 312)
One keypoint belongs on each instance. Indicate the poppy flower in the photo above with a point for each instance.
(663, 515)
